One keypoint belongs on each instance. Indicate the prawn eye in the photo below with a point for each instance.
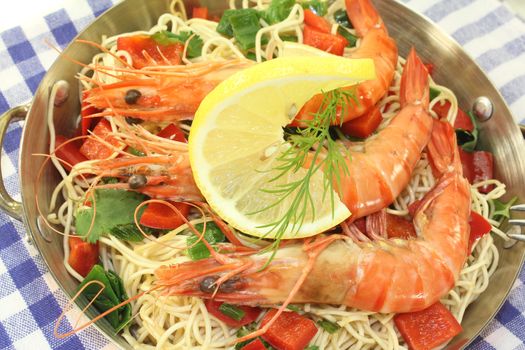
(137, 181)
(132, 96)
(132, 120)
(207, 285)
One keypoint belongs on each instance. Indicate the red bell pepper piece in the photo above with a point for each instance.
(317, 22)
(397, 227)
(479, 227)
(87, 110)
(463, 120)
(82, 255)
(250, 313)
(430, 68)
(143, 47)
(365, 125)
(477, 166)
(162, 217)
(334, 44)
(93, 149)
(68, 152)
(173, 132)
(200, 12)
(290, 331)
(427, 329)
(257, 344)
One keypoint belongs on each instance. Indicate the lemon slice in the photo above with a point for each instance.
(237, 135)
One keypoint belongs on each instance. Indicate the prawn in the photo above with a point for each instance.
(375, 44)
(159, 93)
(163, 173)
(383, 275)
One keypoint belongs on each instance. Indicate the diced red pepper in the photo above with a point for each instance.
(429, 328)
(463, 120)
(93, 149)
(162, 217)
(290, 331)
(87, 110)
(250, 313)
(430, 68)
(82, 255)
(365, 125)
(257, 344)
(143, 47)
(317, 22)
(200, 12)
(478, 166)
(397, 227)
(479, 227)
(173, 132)
(334, 44)
(68, 152)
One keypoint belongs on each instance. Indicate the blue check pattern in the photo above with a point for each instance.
(30, 300)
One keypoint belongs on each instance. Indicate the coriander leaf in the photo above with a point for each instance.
(113, 207)
(328, 326)
(245, 27)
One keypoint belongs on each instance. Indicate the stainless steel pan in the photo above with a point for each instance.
(454, 68)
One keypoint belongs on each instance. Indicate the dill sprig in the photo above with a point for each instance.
(311, 148)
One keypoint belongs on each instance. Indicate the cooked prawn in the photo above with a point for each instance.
(375, 44)
(163, 173)
(166, 93)
(384, 275)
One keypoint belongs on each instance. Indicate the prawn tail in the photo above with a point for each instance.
(364, 16)
(414, 82)
(443, 150)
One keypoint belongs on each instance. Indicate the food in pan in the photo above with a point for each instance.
(330, 196)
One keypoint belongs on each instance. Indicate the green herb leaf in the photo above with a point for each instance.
(312, 347)
(113, 208)
(318, 6)
(232, 311)
(224, 27)
(434, 93)
(212, 235)
(278, 11)
(328, 326)
(351, 38)
(468, 140)
(293, 308)
(109, 180)
(194, 49)
(341, 17)
(130, 232)
(135, 152)
(112, 295)
(245, 27)
(502, 209)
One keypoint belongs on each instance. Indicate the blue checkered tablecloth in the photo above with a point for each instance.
(30, 300)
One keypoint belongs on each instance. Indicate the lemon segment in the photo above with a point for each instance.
(237, 135)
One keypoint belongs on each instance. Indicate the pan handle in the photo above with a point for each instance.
(7, 203)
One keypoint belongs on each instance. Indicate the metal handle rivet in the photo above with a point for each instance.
(483, 108)
(62, 93)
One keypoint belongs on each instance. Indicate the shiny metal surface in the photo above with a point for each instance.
(483, 108)
(7, 203)
(453, 68)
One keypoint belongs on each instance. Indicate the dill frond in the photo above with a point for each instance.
(311, 148)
